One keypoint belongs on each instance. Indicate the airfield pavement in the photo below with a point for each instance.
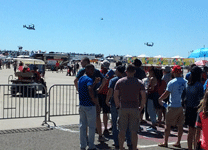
(29, 134)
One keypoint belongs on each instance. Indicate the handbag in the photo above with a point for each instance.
(198, 145)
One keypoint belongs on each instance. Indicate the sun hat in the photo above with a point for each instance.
(105, 64)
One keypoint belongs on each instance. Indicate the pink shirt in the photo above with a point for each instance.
(202, 122)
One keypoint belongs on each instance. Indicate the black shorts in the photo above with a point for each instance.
(190, 116)
(103, 105)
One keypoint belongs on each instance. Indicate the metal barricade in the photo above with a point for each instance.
(63, 100)
(23, 101)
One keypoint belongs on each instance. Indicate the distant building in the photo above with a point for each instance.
(114, 58)
(79, 56)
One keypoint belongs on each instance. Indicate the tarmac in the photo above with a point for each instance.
(29, 134)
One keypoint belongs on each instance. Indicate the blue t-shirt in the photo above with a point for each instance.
(112, 84)
(194, 93)
(96, 74)
(176, 87)
(84, 96)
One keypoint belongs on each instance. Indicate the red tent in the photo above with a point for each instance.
(202, 63)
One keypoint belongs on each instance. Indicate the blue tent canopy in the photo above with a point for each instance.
(201, 52)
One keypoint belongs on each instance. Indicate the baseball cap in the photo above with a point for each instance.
(167, 69)
(176, 69)
(105, 64)
(120, 68)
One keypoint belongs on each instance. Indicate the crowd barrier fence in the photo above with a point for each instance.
(28, 101)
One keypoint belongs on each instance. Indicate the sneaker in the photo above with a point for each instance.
(152, 129)
(106, 132)
(102, 139)
(149, 127)
(140, 129)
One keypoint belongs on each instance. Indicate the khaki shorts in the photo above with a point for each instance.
(174, 116)
(128, 117)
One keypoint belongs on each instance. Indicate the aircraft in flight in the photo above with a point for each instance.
(30, 27)
(149, 44)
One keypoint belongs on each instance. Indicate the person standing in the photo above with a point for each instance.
(153, 95)
(194, 93)
(174, 114)
(87, 108)
(140, 74)
(114, 113)
(15, 66)
(97, 74)
(202, 123)
(126, 97)
(57, 66)
(102, 96)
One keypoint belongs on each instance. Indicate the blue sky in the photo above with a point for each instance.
(175, 26)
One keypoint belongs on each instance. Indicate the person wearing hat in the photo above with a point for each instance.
(114, 112)
(166, 74)
(102, 96)
(174, 116)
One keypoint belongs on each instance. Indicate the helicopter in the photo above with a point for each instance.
(149, 44)
(29, 27)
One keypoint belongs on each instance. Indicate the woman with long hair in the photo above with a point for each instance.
(194, 93)
(153, 95)
(202, 123)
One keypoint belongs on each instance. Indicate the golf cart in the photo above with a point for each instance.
(29, 81)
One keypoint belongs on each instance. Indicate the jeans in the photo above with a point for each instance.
(114, 115)
(151, 110)
(87, 119)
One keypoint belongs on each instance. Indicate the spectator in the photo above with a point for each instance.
(102, 97)
(189, 73)
(140, 74)
(57, 66)
(174, 114)
(20, 68)
(152, 103)
(87, 108)
(127, 90)
(97, 74)
(15, 66)
(114, 113)
(194, 93)
(202, 123)
(166, 74)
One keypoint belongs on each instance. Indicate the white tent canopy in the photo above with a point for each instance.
(127, 55)
(158, 56)
(142, 55)
(177, 56)
(23, 56)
